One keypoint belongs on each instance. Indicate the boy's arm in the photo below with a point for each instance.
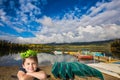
(23, 76)
(40, 75)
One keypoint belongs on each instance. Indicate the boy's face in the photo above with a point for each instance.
(30, 65)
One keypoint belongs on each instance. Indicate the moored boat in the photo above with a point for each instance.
(57, 52)
(85, 57)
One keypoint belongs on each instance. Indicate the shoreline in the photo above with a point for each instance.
(10, 72)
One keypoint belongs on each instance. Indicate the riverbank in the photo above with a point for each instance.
(9, 73)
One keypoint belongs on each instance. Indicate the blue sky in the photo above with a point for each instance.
(48, 21)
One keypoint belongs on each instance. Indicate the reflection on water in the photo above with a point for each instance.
(43, 58)
(10, 60)
(47, 59)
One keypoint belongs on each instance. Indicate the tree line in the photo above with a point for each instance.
(7, 47)
(115, 48)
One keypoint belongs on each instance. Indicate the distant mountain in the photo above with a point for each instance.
(84, 43)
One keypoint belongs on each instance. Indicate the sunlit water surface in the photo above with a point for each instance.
(43, 59)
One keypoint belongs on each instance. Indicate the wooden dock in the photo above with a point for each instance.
(105, 59)
(108, 68)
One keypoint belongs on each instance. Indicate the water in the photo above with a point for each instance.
(43, 59)
(116, 62)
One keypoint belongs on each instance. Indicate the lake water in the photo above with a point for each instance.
(43, 59)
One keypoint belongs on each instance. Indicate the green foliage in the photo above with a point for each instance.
(7, 47)
(115, 48)
(28, 53)
(110, 46)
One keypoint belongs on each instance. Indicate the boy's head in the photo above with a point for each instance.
(29, 60)
(32, 57)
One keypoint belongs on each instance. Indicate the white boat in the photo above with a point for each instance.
(57, 52)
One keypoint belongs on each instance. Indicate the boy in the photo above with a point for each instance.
(30, 70)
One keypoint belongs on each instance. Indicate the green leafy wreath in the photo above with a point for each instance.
(28, 53)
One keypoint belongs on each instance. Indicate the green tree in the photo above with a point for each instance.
(115, 48)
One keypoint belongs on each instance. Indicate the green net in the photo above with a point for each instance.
(67, 70)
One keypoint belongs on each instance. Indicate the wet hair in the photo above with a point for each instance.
(31, 57)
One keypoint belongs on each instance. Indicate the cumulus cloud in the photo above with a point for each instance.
(106, 13)
(101, 22)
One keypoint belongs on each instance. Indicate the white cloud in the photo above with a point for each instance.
(46, 21)
(18, 29)
(94, 26)
(63, 31)
(7, 36)
(2, 15)
(28, 11)
(1, 25)
(110, 14)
